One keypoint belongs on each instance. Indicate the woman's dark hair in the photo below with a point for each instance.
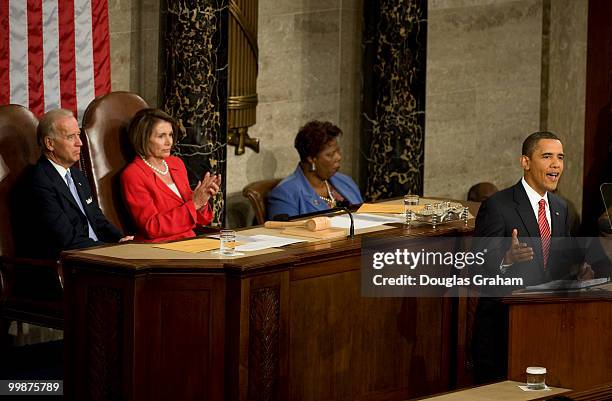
(313, 136)
(141, 128)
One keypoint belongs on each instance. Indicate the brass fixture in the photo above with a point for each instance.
(239, 137)
(243, 56)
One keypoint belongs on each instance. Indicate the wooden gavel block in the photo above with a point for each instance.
(314, 224)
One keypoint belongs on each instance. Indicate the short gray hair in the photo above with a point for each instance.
(46, 125)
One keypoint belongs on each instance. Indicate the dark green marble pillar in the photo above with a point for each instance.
(393, 104)
(194, 89)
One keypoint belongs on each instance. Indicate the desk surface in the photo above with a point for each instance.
(502, 391)
(141, 257)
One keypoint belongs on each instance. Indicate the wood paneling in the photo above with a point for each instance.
(598, 110)
(570, 337)
(281, 326)
(363, 348)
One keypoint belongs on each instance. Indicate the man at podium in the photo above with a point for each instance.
(526, 221)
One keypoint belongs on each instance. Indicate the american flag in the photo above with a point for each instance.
(54, 53)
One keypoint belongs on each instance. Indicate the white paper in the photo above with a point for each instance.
(243, 239)
(259, 242)
(567, 284)
(363, 220)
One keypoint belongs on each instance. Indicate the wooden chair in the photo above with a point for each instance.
(32, 289)
(257, 193)
(107, 150)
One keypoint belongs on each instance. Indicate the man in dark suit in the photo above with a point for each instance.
(529, 211)
(536, 224)
(59, 200)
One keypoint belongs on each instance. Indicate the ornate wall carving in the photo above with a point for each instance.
(393, 122)
(104, 334)
(264, 325)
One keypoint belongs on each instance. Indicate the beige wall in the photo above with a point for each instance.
(497, 72)
(484, 91)
(567, 88)
(309, 57)
(134, 46)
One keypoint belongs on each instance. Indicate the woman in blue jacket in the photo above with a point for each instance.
(316, 183)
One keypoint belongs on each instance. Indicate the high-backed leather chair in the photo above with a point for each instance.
(32, 288)
(481, 191)
(257, 193)
(107, 150)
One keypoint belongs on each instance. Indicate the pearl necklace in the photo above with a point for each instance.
(162, 172)
(331, 200)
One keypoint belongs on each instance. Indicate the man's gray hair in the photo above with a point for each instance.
(46, 125)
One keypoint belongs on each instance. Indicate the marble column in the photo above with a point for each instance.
(393, 118)
(195, 85)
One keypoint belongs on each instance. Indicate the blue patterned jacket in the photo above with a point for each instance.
(294, 195)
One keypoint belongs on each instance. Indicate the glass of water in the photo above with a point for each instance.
(228, 242)
(410, 200)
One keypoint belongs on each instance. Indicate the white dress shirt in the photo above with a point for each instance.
(174, 189)
(60, 169)
(534, 199)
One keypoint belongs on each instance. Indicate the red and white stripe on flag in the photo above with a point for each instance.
(54, 53)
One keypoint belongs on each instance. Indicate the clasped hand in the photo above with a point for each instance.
(206, 188)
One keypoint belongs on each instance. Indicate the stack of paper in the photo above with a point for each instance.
(363, 220)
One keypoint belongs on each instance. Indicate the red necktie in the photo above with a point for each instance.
(544, 230)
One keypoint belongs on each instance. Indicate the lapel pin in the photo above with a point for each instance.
(556, 213)
(89, 200)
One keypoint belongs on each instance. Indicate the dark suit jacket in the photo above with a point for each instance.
(510, 209)
(54, 221)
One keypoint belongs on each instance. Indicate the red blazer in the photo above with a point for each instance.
(158, 213)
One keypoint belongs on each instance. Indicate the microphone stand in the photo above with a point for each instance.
(352, 227)
(285, 217)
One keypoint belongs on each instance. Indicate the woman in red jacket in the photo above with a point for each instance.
(155, 185)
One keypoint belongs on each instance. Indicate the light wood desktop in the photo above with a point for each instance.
(502, 391)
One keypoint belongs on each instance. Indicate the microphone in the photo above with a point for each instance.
(325, 212)
(344, 206)
(281, 217)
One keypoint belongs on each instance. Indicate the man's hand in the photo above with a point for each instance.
(127, 238)
(518, 252)
(585, 272)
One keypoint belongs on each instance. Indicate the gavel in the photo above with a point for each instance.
(314, 224)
